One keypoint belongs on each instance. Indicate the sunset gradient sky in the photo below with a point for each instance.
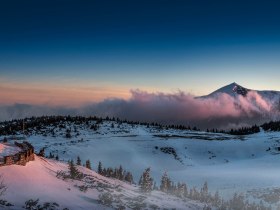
(70, 53)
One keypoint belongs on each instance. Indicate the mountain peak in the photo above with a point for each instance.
(233, 84)
(232, 89)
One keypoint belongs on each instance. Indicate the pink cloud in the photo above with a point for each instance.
(221, 111)
(182, 108)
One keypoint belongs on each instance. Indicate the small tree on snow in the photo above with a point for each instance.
(129, 177)
(165, 183)
(88, 165)
(140, 180)
(181, 190)
(99, 170)
(146, 181)
(79, 161)
(217, 199)
(155, 186)
(73, 171)
(120, 173)
(204, 191)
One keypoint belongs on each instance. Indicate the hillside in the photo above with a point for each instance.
(38, 180)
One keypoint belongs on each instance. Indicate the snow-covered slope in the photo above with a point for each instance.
(38, 180)
(228, 163)
(243, 164)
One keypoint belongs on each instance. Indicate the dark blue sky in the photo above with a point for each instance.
(161, 45)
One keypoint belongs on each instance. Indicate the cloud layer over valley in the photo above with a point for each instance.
(221, 111)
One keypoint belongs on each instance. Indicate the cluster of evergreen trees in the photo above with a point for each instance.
(117, 173)
(167, 186)
(147, 185)
(271, 126)
(73, 172)
(215, 131)
(245, 130)
(52, 156)
(79, 163)
(203, 195)
(238, 131)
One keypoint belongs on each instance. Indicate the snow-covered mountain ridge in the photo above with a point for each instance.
(235, 89)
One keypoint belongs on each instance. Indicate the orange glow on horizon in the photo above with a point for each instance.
(58, 94)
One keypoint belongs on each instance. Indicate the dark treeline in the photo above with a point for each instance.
(238, 131)
(271, 126)
(117, 173)
(38, 124)
(27, 125)
(245, 130)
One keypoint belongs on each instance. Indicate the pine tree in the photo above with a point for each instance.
(185, 190)
(164, 185)
(110, 172)
(129, 177)
(88, 165)
(181, 190)
(191, 194)
(121, 176)
(73, 171)
(217, 200)
(42, 152)
(155, 186)
(116, 173)
(204, 191)
(51, 155)
(104, 172)
(173, 188)
(79, 161)
(99, 170)
(147, 181)
(140, 181)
